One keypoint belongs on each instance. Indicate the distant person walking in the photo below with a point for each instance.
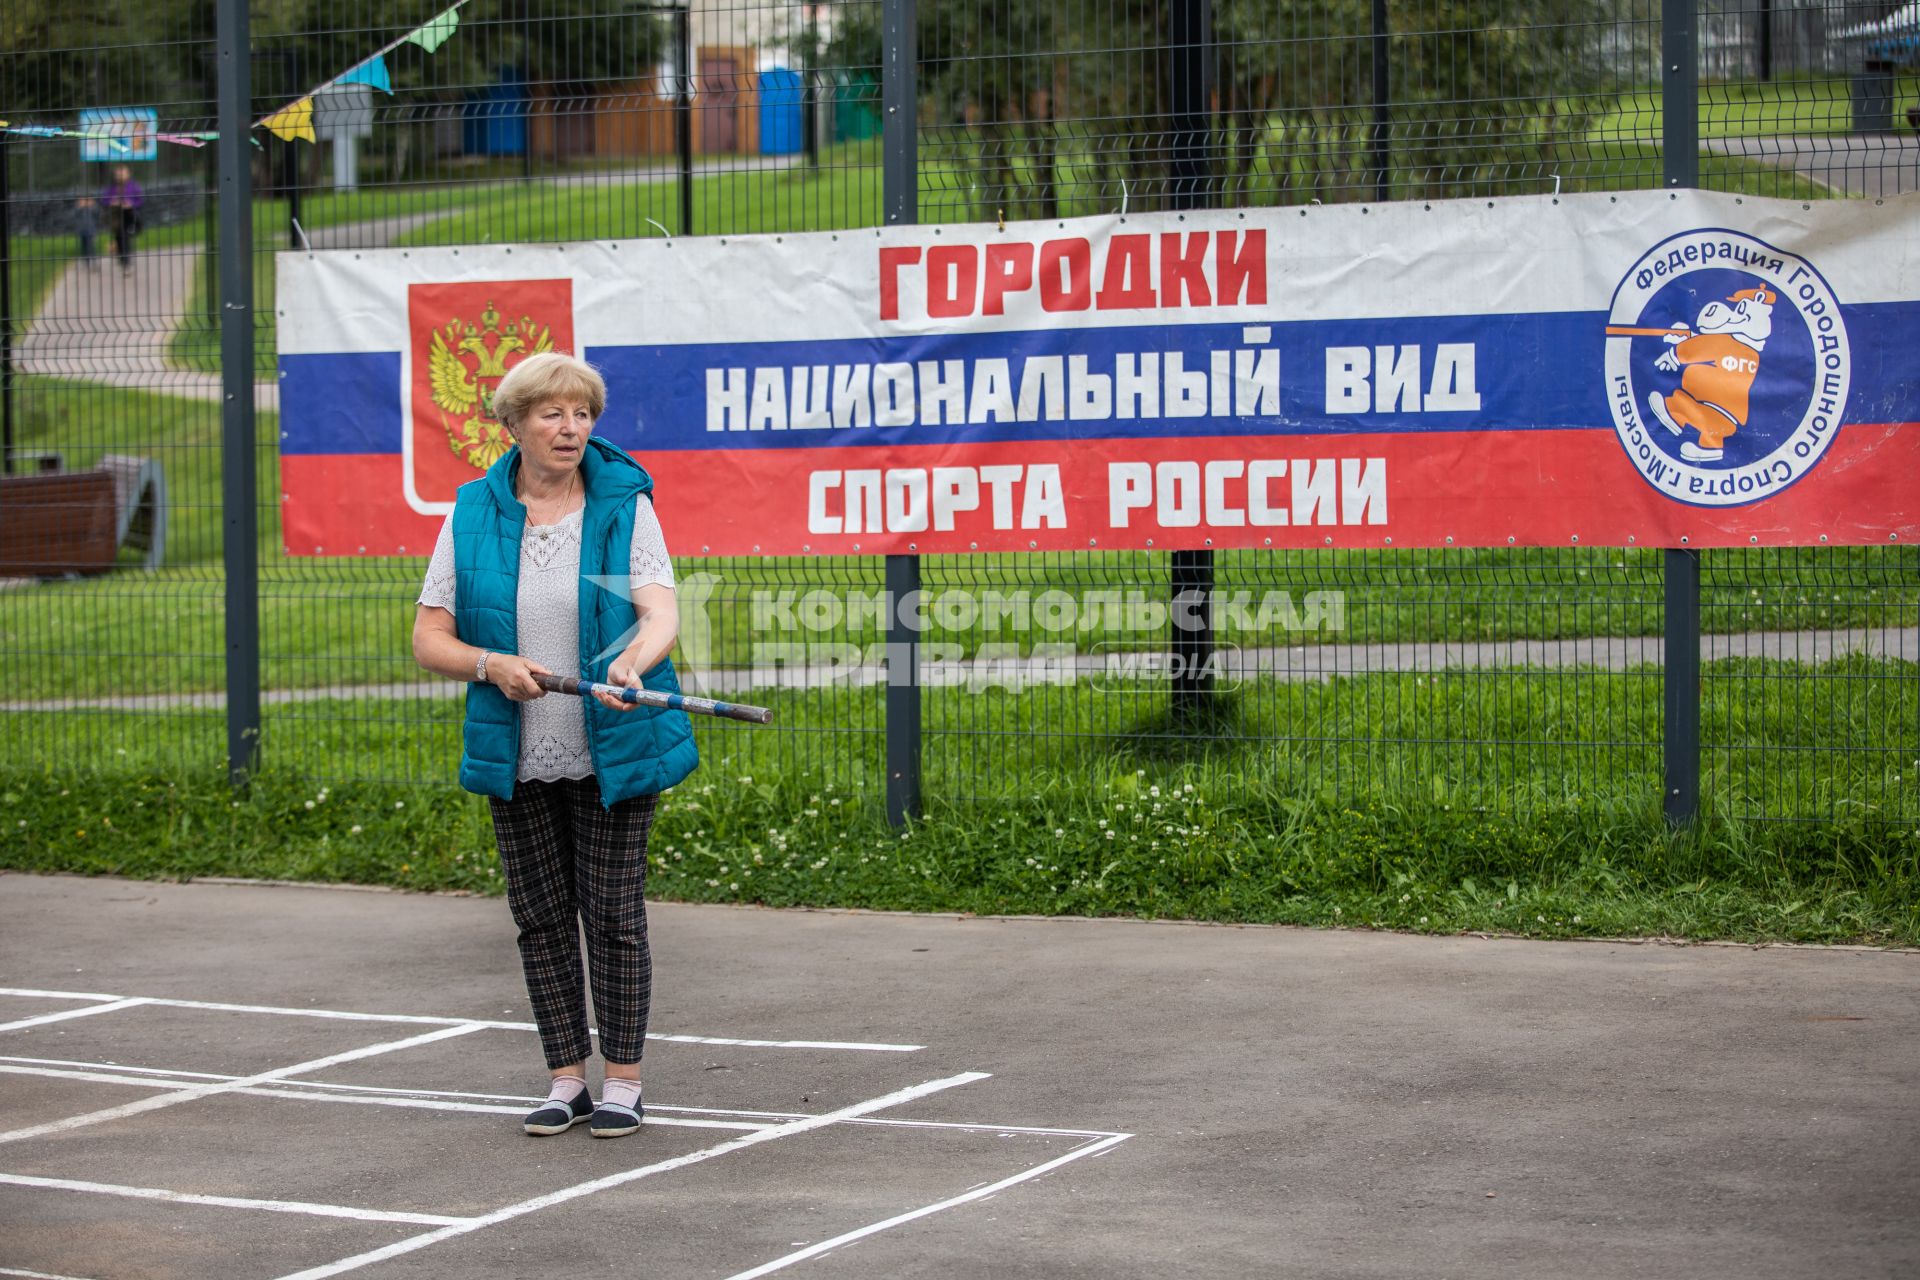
(123, 200)
(86, 224)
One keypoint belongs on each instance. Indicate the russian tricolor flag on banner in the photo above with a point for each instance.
(1654, 369)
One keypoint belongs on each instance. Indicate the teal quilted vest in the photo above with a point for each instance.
(634, 752)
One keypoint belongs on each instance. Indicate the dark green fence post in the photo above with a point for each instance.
(1382, 31)
(899, 97)
(683, 112)
(6, 310)
(239, 517)
(1190, 572)
(1680, 148)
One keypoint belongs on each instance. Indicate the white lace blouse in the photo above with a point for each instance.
(553, 732)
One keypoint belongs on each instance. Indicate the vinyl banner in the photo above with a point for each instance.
(1649, 368)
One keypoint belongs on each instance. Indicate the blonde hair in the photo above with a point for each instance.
(551, 375)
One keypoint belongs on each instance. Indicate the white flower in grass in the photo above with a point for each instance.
(1059, 833)
(399, 804)
(354, 830)
(1110, 833)
(1423, 919)
(309, 804)
(1576, 919)
(746, 781)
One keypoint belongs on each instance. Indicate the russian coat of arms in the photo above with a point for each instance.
(465, 363)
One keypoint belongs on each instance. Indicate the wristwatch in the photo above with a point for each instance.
(480, 666)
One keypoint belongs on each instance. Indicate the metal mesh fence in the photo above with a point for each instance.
(1475, 679)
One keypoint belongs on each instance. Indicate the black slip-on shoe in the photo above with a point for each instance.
(558, 1117)
(611, 1120)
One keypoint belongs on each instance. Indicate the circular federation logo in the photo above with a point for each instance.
(1727, 367)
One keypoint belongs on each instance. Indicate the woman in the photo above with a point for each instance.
(123, 200)
(515, 590)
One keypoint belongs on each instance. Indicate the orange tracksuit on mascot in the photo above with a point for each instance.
(1717, 367)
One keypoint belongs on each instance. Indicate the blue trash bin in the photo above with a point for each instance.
(782, 120)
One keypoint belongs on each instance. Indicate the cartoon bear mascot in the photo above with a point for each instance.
(1721, 361)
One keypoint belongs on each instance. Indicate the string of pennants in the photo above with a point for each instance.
(293, 121)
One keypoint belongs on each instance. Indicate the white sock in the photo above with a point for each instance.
(622, 1093)
(566, 1088)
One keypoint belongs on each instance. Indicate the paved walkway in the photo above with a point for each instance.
(100, 324)
(1875, 164)
(255, 1082)
(1297, 663)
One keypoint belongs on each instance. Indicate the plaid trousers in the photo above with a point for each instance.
(566, 858)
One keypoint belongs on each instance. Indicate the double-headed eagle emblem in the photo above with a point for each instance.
(465, 362)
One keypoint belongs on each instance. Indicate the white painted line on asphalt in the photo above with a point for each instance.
(433, 1021)
(35, 1275)
(231, 1202)
(1024, 1129)
(434, 1104)
(279, 1089)
(179, 1076)
(116, 1073)
(792, 1044)
(34, 993)
(398, 1247)
(64, 1015)
(978, 1193)
(111, 1066)
(126, 1109)
(92, 1077)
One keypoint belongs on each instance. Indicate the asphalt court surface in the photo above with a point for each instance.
(201, 1080)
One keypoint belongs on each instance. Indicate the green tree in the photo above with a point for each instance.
(1027, 110)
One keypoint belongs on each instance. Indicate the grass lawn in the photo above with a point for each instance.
(1530, 808)
(1800, 104)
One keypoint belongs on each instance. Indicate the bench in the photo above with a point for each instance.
(75, 522)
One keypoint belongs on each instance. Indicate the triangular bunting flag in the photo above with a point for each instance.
(372, 72)
(433, 33)
(292, 121)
